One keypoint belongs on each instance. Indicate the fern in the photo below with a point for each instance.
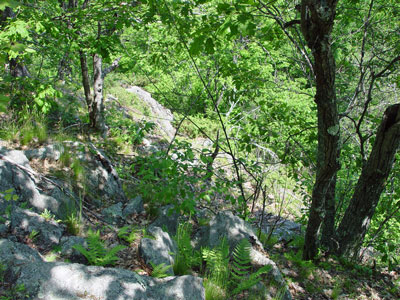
(242, 277)
(186, 257)
(217, 261)
(159, 271)
(97, 254)
(128, 234)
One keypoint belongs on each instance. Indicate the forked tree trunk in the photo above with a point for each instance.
(355, 223)
(316, 23)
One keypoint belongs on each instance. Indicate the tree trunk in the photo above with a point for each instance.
(355, 223)
(85, 80)
(97, 110)
(316, 24)
(328, 236)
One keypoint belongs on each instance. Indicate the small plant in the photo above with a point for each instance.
(242, 277)
(185, 257)
(128, 233)
(97, 253)
(159, 271)
(33, 235)
(47, 215)
(73, 223)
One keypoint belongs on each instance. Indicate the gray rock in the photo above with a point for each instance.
(259, 259)
(134, 206)
(283, 229)
(49, 281)
(159, 249)
(167, 218)
(164, 115)
(15, 173)
(52, 152)
(225, 225)
(4, 228)
(24, 221)
(67, 250)
(113, 214)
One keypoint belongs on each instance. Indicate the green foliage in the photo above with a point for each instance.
(306, 267)
(186, 258)
(47, 215)
(125, 131)
(128, 233)
(33, 235)
(97, 253)
(178, 179)
(223, 279)
(159, 271)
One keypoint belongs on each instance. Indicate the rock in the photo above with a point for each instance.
(259, 259)
(4, 228)
(52, 152)
(16, 174)
(159, 249)
(113, 213)
(283, 229)
(49, 280)
(164, 115)
(67, 242)
(134, 206)
(24, 222)
(225, 225)
(167, 218)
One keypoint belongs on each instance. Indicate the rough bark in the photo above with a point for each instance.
(97, 110)
(328, 236)
(85, 80)
(316, 24)
(355, 223)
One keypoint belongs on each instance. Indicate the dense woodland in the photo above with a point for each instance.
(300, 97)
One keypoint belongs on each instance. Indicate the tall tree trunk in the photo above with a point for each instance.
(355, 223)
(316, 24)
(96, 113)
(328, 237)
(85, 80)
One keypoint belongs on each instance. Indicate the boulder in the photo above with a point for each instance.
(134, 206)
(49, 280)
(164, 115)
(167, 218)
(228, 226)
(16, 173)
(283, 229)
(260, 259)
(67, 250)
(24, 222)
(113, 213)
(158, 250)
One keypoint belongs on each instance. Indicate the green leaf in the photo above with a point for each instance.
(209, 46)
(8, 3)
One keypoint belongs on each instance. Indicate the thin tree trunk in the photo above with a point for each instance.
(316, 23)
(355, 223)
(97, 110)
(85, 80)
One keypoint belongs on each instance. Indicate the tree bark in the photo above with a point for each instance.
(328, 236)
(316, 24)
(97, 110)
(355, 223)
(85, 80)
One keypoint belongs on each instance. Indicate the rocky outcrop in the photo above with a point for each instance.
(49, 281)
(162, 116)
(159, 249)
(17, 174)
(25, 222)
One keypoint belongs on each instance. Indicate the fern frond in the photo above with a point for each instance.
(159, 271)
